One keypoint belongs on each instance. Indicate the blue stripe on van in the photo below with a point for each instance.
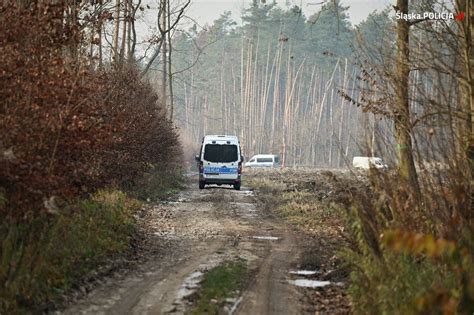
(220, 170)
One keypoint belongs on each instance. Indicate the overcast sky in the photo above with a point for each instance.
(206, 11)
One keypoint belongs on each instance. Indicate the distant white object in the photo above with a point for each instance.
(263, 160)
(306, 283)
(366, 162)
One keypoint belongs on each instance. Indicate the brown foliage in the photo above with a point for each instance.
(67, 129)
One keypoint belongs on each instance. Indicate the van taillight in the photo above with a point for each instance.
(201, 167)
(240, 168)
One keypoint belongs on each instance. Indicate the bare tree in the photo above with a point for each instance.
(175, 18)
(116, 31)
(402, 118)
(466, 79)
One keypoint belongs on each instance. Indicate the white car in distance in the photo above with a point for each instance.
(263, 160)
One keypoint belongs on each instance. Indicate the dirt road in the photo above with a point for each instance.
(197, 231)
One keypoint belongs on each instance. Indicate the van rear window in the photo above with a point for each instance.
(264, 160)
(220, 153)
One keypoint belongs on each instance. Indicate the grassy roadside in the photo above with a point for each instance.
(301, 201)
(67, 132)
(159, 183)
(400, 263)
(394, 268)
(313, 202)
(44, 257)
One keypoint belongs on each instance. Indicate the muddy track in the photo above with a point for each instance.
(203, 229)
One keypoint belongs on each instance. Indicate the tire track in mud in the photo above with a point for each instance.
(205, 228)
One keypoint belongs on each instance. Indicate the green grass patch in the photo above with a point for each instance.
(220, 283)
(158, 183)
(42, 257)
(398, 284)
(395, 281)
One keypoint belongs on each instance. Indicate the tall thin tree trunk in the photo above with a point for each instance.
(116, 31)
(132, 27)
(124, 32)
(241, 113)
(255, 88)
(289, 77)
(221, 90)
(328, 85)
(164, 49)
(170, 72)
(234, 103)
(466, 34)
(266, 105)
(402, 123)
(331, 132)
(341, 123)
(129, 28)
(99, 30)
(276, 97)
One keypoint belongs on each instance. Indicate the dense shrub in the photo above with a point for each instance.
(412, 257)
(68, 129)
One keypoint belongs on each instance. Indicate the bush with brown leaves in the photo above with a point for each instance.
(67, 129)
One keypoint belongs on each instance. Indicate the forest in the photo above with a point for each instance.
(315, 89)
(281, 82)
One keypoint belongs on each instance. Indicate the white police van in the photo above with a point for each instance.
(220, 161)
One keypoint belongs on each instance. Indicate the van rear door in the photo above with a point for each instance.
(221, 160)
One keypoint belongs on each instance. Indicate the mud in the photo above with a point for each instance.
(185, 237)
(320, 276)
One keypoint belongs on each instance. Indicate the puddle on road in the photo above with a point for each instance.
(173, 202)
(269, 238)
(246, 209)
(234, 307)
(243, 204)
(309, 283)
(191, 283)
(245, 192)
(303, 272)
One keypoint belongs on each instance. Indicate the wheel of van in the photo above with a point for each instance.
(237, 186)
(201, 185)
